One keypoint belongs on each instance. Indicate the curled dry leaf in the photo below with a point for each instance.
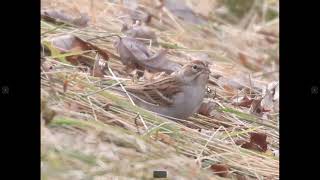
(70, 43)
(142, 32)
(134, 54)
(242, 101)
(220, 169)
(56, 16)
(258, 142)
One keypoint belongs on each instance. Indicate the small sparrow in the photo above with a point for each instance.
(178, 95)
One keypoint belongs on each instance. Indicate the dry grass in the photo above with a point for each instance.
(98, 135)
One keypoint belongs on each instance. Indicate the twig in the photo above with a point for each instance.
(100, 90)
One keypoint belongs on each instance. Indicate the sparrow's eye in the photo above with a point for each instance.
(194, 67)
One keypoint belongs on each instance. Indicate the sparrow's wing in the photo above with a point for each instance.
(159, 92)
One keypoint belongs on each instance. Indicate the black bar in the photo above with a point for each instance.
(159, 174)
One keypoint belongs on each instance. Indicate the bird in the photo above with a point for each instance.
(177, 95)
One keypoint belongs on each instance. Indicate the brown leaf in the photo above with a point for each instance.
(133, 53)
(242, 101)
(57, 16)
(70, 43)
(142, 32)
(258, 142)
(206, 108)
(256, 107)
(221, 170)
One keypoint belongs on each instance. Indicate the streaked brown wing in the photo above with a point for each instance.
(159, 92)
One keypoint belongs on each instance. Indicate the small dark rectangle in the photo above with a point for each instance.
(159, 174)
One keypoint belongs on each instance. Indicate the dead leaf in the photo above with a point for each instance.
(71, 44)
(143, 32)
(256, 107)
(258, 142)
(134, 54)
(221, 170)
(206, 108)
(242, 101)
(57, 16)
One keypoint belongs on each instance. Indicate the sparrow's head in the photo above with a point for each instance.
(195, 71)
